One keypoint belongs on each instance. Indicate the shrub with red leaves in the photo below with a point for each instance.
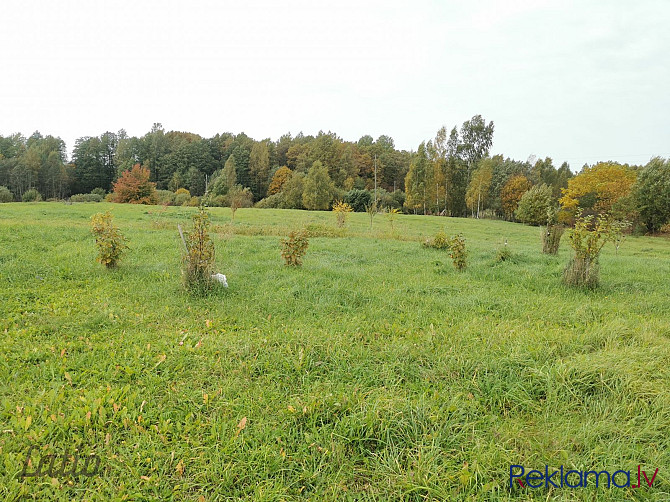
(134, 187)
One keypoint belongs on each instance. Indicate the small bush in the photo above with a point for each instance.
(458, 252)
(183, 191)
(389, 200)
(182, 199)
(341, 210)
(551, 238)
(198, 258)
(31, 195)
(86, 197)
(109, 240)
(294, 248)
(358, 199)
(503, 253)
(391, 215)
(372, 210)
(214, 200)
(99, 191)
(193, 202)
(587, 239)
(440, 241)
(6, 195)
(165, 197)
(276, 201)
(619, 230)
(238, 197)
(219, 201)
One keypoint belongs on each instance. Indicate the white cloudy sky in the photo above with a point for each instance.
(574, 80)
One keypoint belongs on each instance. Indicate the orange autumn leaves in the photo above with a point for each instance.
(133, 186)
(512, 192)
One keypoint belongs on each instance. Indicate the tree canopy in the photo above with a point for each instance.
(450, 174)
(598, 187)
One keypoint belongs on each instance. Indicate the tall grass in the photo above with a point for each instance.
(375, 371)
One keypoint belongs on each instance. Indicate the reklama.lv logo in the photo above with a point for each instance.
(575, 479)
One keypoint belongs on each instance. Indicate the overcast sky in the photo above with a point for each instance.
(580, 81)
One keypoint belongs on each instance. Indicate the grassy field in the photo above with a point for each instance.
(374, 372)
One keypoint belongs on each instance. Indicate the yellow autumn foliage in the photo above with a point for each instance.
(598, 187)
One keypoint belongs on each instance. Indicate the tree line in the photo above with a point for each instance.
(186, 160)
(451, 174)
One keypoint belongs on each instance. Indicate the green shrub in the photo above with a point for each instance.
(215, 200)
(198, 258)
(6, 195)
(238, 197)
(99, 191)
(109, 240)
(182, 199)
(193, 202)
(165, 197)
(86, 197)
(587, 238)
(372, 210)
(389, 199)
(358, 199)
(275, 201)
(503, 253)
(455, 245)
(535, 205)
(294, 248)
(458, 252)
(440, 241)
(31, 195)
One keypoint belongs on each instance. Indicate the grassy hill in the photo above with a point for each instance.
(374, 372)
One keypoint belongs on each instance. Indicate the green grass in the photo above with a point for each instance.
(374, 372)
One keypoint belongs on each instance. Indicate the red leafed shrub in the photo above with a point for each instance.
(134, 186)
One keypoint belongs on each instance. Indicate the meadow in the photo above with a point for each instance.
(376, 371)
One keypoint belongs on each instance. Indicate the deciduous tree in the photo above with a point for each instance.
(418, 181)
(239, 196)
(512, 192)
(134, 186)
(318, 190)
(535, 205)
(259, 167)
(652, 192)
(598, 188)
(478, 188)
(476, 140)
(280, 177)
